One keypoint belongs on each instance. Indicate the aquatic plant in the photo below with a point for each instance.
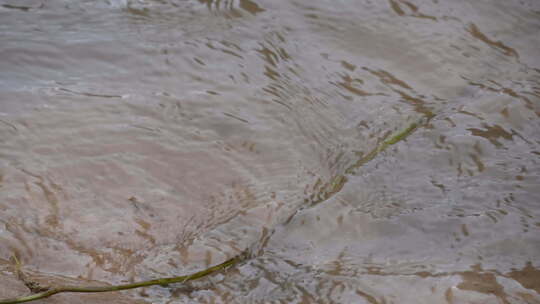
(337, 183)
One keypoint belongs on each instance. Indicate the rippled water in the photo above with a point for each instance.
(150, 138)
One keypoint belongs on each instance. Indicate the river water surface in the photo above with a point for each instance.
(149, 138)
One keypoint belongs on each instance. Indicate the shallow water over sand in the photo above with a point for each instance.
(143, 139)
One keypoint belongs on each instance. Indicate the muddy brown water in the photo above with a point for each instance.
(142, 139)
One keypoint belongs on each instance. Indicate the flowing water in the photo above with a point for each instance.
(359, 151)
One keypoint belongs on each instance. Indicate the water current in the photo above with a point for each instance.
(359, 151)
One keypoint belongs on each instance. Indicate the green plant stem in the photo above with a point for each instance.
(394, 139)
(161, 281)
(334, 187)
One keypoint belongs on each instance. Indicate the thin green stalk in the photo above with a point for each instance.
(338, 182)
(162, 281)
(335, 186)
(394, 139)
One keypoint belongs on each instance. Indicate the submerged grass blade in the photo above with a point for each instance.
(333, 187)
(394, 139)
(161, 281)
